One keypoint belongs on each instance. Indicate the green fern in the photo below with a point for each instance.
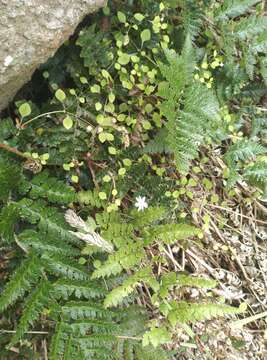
(117, 295)
(192, 18)
(31, 239)
(8, 218)
(90, 198)
(35, 303)
(184, 312)
(192, 117)
(22, 280)
(10, 176)
(233, 8)
(192, 281)
(47, 187)
(170, 233)
(80, 289)
(243, 150)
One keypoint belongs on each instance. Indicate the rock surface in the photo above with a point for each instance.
(30, 32)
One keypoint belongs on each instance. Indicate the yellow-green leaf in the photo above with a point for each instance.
(68, 122)
(60, 95)
(25, 109)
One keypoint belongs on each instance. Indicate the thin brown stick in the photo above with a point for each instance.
(90, 166)
(241, 215)
(14, 151)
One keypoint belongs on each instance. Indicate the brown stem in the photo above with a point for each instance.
(14, 151)
(90, 166)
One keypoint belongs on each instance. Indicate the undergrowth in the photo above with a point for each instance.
(98, 185)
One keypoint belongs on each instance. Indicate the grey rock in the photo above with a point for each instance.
(30, 32)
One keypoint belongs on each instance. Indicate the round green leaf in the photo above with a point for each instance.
(145, 35)
(102, 195)
(139, 17)
(121, 17)
(102, 137)
(112, 150)
(68, 122)
(25, 109)
(60, 95)
(98, 106)
(124, 59)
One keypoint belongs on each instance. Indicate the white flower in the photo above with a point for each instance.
(8, 60)
(141, 203)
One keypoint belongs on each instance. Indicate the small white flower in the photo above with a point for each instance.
(141, 203)
(8, 60)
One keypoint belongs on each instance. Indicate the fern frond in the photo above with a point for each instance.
(170, 233)
(231, 9)
(46, 187)
(193, 281)
(35, 240)
(184, 312)
(176, 80)
(249, 27)
(158, 144)
(149, 216)
(117, 295)
(110, 267)
(125, 257)
(90, 198)
(35, 303)
(188, 129)
(85, 232)
(243, 150)
(64, 267)
(192, 18)
(257, 172)
(82, 327)
(8, 218)
(48, 219)
(80, 289)
(59, 340)
(82, 310)
(26, 275)
(10, 177)
(90, 352)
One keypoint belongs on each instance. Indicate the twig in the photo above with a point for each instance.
(45, 349)
(240, 264)
(20, 245)
(242, 322)
(14, 151)
(3, 331)
(201, 262)
(42, 115)
(89, 164)
(241, 215)
(128, 337)
(171, 257)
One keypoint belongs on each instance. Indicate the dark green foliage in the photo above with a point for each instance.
(35, 303)
(26, 276)
(191, 118)
(233, 8)
(10, 176)
(55, 191)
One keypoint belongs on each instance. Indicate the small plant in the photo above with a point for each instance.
(102, 185)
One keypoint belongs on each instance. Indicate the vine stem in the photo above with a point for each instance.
(3, 331)
(14, 151)
(42, 115)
